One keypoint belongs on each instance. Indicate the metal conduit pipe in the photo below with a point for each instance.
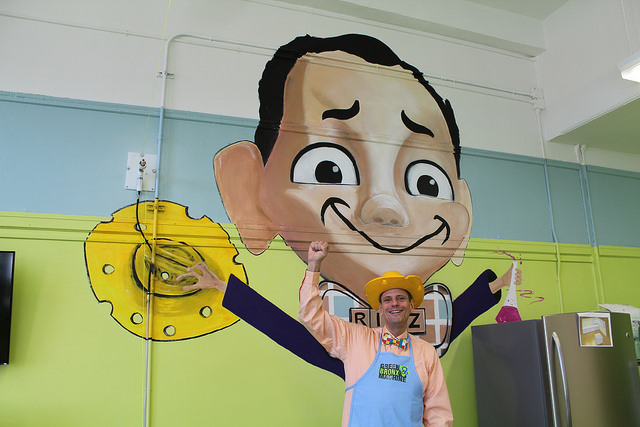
(165, 73)
(547, 184)
(591, 226)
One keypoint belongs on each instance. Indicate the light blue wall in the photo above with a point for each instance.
(508, 195)
(65, 156)
(615, 199)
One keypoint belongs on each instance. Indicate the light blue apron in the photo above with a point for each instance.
(388, 394)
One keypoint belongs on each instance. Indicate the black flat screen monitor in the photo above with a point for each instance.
(6, 297)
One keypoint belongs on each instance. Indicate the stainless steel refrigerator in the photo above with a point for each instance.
(573, 369)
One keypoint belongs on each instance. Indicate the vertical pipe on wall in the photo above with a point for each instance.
(626, 26)
(159, 141)
(163, 94)
(149, 301)
(586, 196)
(165, 75)
(149, 295)
(591, 228)
(550, 205)
(149, 315)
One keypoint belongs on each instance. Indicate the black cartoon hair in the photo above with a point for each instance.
(372, 50)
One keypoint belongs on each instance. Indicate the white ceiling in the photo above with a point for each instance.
(537, 9)
(513, 25)
(616, 130)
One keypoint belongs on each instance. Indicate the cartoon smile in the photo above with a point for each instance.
(333, 201)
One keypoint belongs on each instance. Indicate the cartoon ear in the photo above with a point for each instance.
(239, 169)
(463, 196)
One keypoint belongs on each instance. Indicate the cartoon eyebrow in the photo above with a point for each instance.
(413, 126)
(342, 113)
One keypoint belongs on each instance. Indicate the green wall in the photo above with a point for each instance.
(72, 364)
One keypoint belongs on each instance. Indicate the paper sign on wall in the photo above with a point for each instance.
(595, 330)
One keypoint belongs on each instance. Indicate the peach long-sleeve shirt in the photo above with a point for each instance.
(357, 346)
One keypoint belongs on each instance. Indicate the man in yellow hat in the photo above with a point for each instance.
(392, 378)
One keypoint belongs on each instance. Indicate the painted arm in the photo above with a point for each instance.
(474, 301)
(263, 315)
(260, 313)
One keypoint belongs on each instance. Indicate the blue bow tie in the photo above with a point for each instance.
(388, 339)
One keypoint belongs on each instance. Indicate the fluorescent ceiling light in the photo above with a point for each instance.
(630, 67)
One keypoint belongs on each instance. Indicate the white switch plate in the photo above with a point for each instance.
(148, 174)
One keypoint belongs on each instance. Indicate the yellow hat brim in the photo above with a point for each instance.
(394, 280)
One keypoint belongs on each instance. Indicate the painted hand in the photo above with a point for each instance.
(505, 280)
(206, 278)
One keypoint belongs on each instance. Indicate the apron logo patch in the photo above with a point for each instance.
(394, 372)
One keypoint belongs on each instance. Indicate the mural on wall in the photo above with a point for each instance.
(137, 273)
(364, 157)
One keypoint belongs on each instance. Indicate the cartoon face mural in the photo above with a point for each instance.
(364, 158)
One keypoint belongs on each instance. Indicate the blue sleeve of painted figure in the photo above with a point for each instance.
(260, 313)
(474, 301)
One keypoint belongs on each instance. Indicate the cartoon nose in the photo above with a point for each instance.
(383, 209)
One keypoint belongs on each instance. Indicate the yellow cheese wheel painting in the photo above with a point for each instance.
(133, 261)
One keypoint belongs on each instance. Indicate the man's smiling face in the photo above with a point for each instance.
(364, 160)
(395, 308)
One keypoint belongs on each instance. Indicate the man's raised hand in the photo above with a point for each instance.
(317, 252)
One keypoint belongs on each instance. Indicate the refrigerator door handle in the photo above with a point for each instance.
(563, 374)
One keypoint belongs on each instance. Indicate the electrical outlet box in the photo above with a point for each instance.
(141, 166)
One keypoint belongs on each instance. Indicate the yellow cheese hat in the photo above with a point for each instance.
(394, 280)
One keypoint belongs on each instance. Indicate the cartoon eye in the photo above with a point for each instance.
(325, 163)
(424, 178)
